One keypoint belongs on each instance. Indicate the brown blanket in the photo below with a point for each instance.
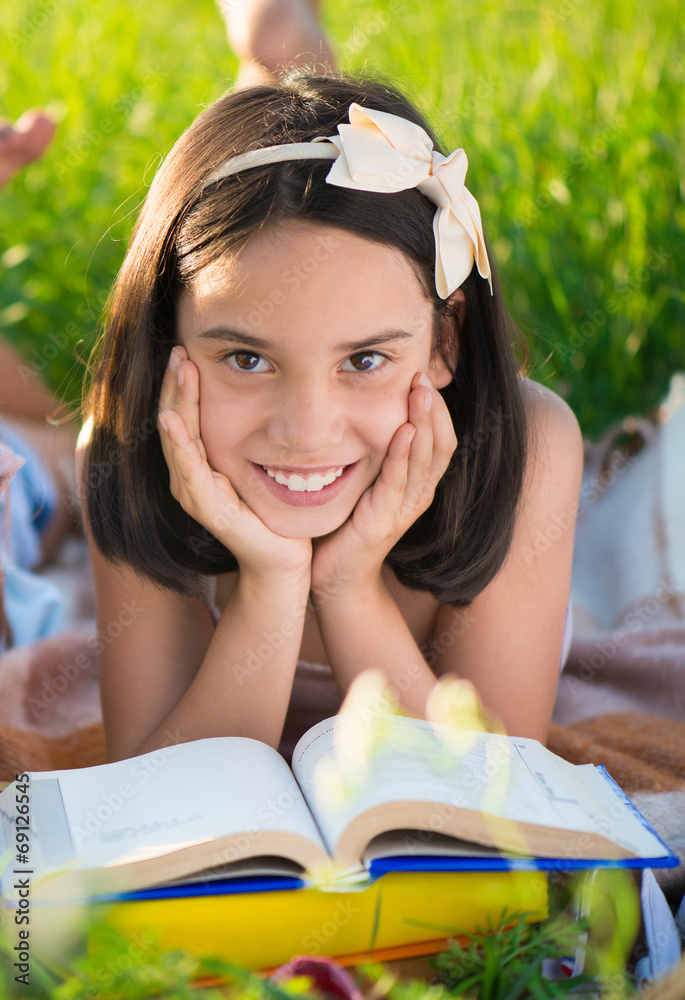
(643, 753)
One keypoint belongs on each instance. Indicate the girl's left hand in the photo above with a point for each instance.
(418, 456)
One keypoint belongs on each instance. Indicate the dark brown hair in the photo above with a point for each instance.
(457, 546)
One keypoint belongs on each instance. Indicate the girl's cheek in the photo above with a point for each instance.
(221, 426)
(388, 413)
(380, 426)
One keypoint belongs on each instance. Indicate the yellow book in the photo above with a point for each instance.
(259, 930)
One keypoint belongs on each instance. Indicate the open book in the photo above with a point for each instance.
(215, 807)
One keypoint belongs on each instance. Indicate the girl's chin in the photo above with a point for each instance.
(303, 525)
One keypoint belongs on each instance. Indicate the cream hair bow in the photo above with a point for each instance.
(381, 152)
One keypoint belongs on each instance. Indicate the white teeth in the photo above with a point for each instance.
(297, 484)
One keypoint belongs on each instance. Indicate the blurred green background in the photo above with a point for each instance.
(571, 113)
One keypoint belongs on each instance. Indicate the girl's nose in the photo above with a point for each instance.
(306, 418)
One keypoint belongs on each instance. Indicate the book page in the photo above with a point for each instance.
(618, 819)
(262, 866)
(518, 779)
(425, 844)
(177, 796)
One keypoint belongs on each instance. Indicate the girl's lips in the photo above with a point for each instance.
(305, 499)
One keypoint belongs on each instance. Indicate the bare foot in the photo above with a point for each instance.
(23, 142)
(271, 36)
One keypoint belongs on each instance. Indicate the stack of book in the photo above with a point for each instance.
(228, 851)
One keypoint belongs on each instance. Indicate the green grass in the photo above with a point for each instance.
(499, 962)
(570, 111)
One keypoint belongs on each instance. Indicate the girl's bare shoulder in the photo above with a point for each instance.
(555, 442)
(549, 413)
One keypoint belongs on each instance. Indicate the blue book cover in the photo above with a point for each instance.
(420, 863)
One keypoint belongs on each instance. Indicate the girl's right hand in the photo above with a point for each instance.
(207, 495)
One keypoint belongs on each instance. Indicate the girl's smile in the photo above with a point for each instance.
(303, 385)
(308, 489)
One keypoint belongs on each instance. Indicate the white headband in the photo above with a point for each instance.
(385, 153)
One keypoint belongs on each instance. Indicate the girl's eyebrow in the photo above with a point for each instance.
(225, 333)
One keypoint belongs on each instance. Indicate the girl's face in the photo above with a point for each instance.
(306, 344)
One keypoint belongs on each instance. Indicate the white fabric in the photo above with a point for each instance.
(381, 152)
(630, 537)
(661, 933)
(33, 606)
(273, 154)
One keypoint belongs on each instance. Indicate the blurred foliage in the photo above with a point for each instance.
(505, 961)
(501, 962)
(570, 112)
(104, 965)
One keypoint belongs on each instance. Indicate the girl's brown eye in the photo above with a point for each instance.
(241, 356)
(368, 367)
(243, 361)
(367, 356)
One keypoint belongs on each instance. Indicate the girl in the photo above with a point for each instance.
(308, 437)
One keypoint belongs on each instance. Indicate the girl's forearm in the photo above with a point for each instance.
(366, 629)
(244, 683)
